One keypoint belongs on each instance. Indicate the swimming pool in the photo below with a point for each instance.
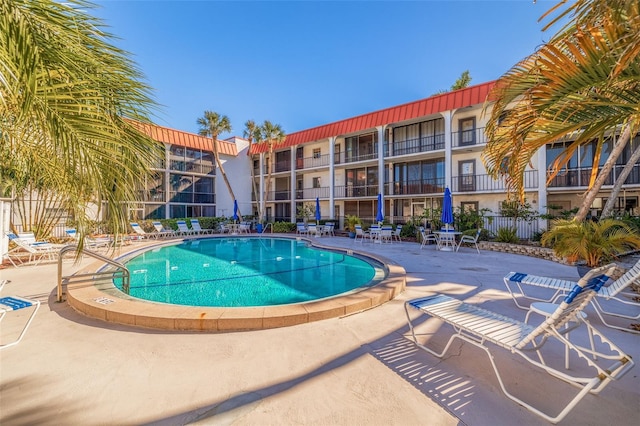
(237, 272)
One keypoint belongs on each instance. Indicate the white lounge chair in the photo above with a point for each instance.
(518, 282)
(224, 228)
(195, 225)
(30, 252)
(141, 233)
(162, 232)
(396, 233)
(486, 330)
(360, 233)
(13, 303)
(91, 243)
(386, 234)
(468, 239)
(183, 229)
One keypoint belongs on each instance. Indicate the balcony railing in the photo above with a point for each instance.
(312, 193)
(309, 162)
(414, 146)
(414, 187)
(283, 166)
(361, 157)
(468, 137)
(580, 177)
(352, 191)
(481, 183)
(279, 195)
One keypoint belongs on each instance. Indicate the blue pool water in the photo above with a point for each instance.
(229, 272)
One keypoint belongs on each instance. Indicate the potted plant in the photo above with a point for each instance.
(351, 222)
(590, 243)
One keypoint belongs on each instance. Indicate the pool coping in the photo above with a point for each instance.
(95, 302)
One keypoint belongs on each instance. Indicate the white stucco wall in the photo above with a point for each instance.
(238, 170)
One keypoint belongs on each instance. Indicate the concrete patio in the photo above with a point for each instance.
(358, 369)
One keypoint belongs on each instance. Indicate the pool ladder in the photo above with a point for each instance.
(120, 271)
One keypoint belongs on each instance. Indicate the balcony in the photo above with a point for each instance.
(579, 177)
(351, 158)
(486, 183)
(312, 193)
(417, 187)
(355, 191)
(310, 162)
(465, 138)
(283, 166)
(284, 195)
(414, 146)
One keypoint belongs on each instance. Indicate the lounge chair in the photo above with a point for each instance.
(313, 229)
(13, 303)
(33, 251)
(183, 229)
(329, 229)
(91, 243)
(195, 225)
(360, 233)
(517, 282)
(140, 233)
(396, 233)
(224, 228)
(245, 227)
(162, 232)
(486, 330)
(468, 239)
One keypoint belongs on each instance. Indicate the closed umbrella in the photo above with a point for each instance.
(379, 215)
(318, 215)
(447, 209)
(235, 209)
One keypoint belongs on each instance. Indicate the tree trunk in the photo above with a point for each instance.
(626, 171)
(591, 193)
(256, 192)
(267, 184)
(224, 175)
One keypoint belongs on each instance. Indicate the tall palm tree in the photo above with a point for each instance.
(211, 125)
(270, 134)
(251, 132)
(65, 92)
(574, 86)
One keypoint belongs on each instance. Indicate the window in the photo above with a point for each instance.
(469, 206)
(316, 182)
(467, 133)
(467, 171)
(316, 153)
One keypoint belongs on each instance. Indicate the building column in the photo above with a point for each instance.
(292, 184)
(332, 180)
(167, 181)
(448, 144)
(381, 164)
(261, 199)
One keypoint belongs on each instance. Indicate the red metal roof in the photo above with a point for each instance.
(468, 96)
(189, 140)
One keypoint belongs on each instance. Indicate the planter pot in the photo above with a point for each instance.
(259, 228)
(352, 234)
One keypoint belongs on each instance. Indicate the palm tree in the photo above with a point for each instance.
(251, 132)
(271, 134)
(583, 84)
(66, 92)
(212, 124)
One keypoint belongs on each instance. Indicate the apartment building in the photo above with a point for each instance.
(409, 153)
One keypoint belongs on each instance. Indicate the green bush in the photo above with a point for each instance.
(507, 235)
(283, 227)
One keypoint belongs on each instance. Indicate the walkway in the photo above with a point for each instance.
(359, 369)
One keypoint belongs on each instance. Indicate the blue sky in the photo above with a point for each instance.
(302, 64)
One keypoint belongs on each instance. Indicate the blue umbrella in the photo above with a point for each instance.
(235, 209)
(379, 216)
(318, 215)
(447, 209)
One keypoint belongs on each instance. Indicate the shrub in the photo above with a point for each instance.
(507, 235)
(283, 227)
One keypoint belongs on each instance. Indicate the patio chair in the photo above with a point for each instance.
(329, 229)
(14, 303)
(224, 228)
(245, 227)
(162, 232)
(195, 225)
(301, 229)
(397, 232)
(140, 233)
(313, 229)
(360, 233)
(468, 239)
(34, 252)
(428, 237)
(486, 330)
(183, 229)
(91, 243)
(386, 234)
(616, 290)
